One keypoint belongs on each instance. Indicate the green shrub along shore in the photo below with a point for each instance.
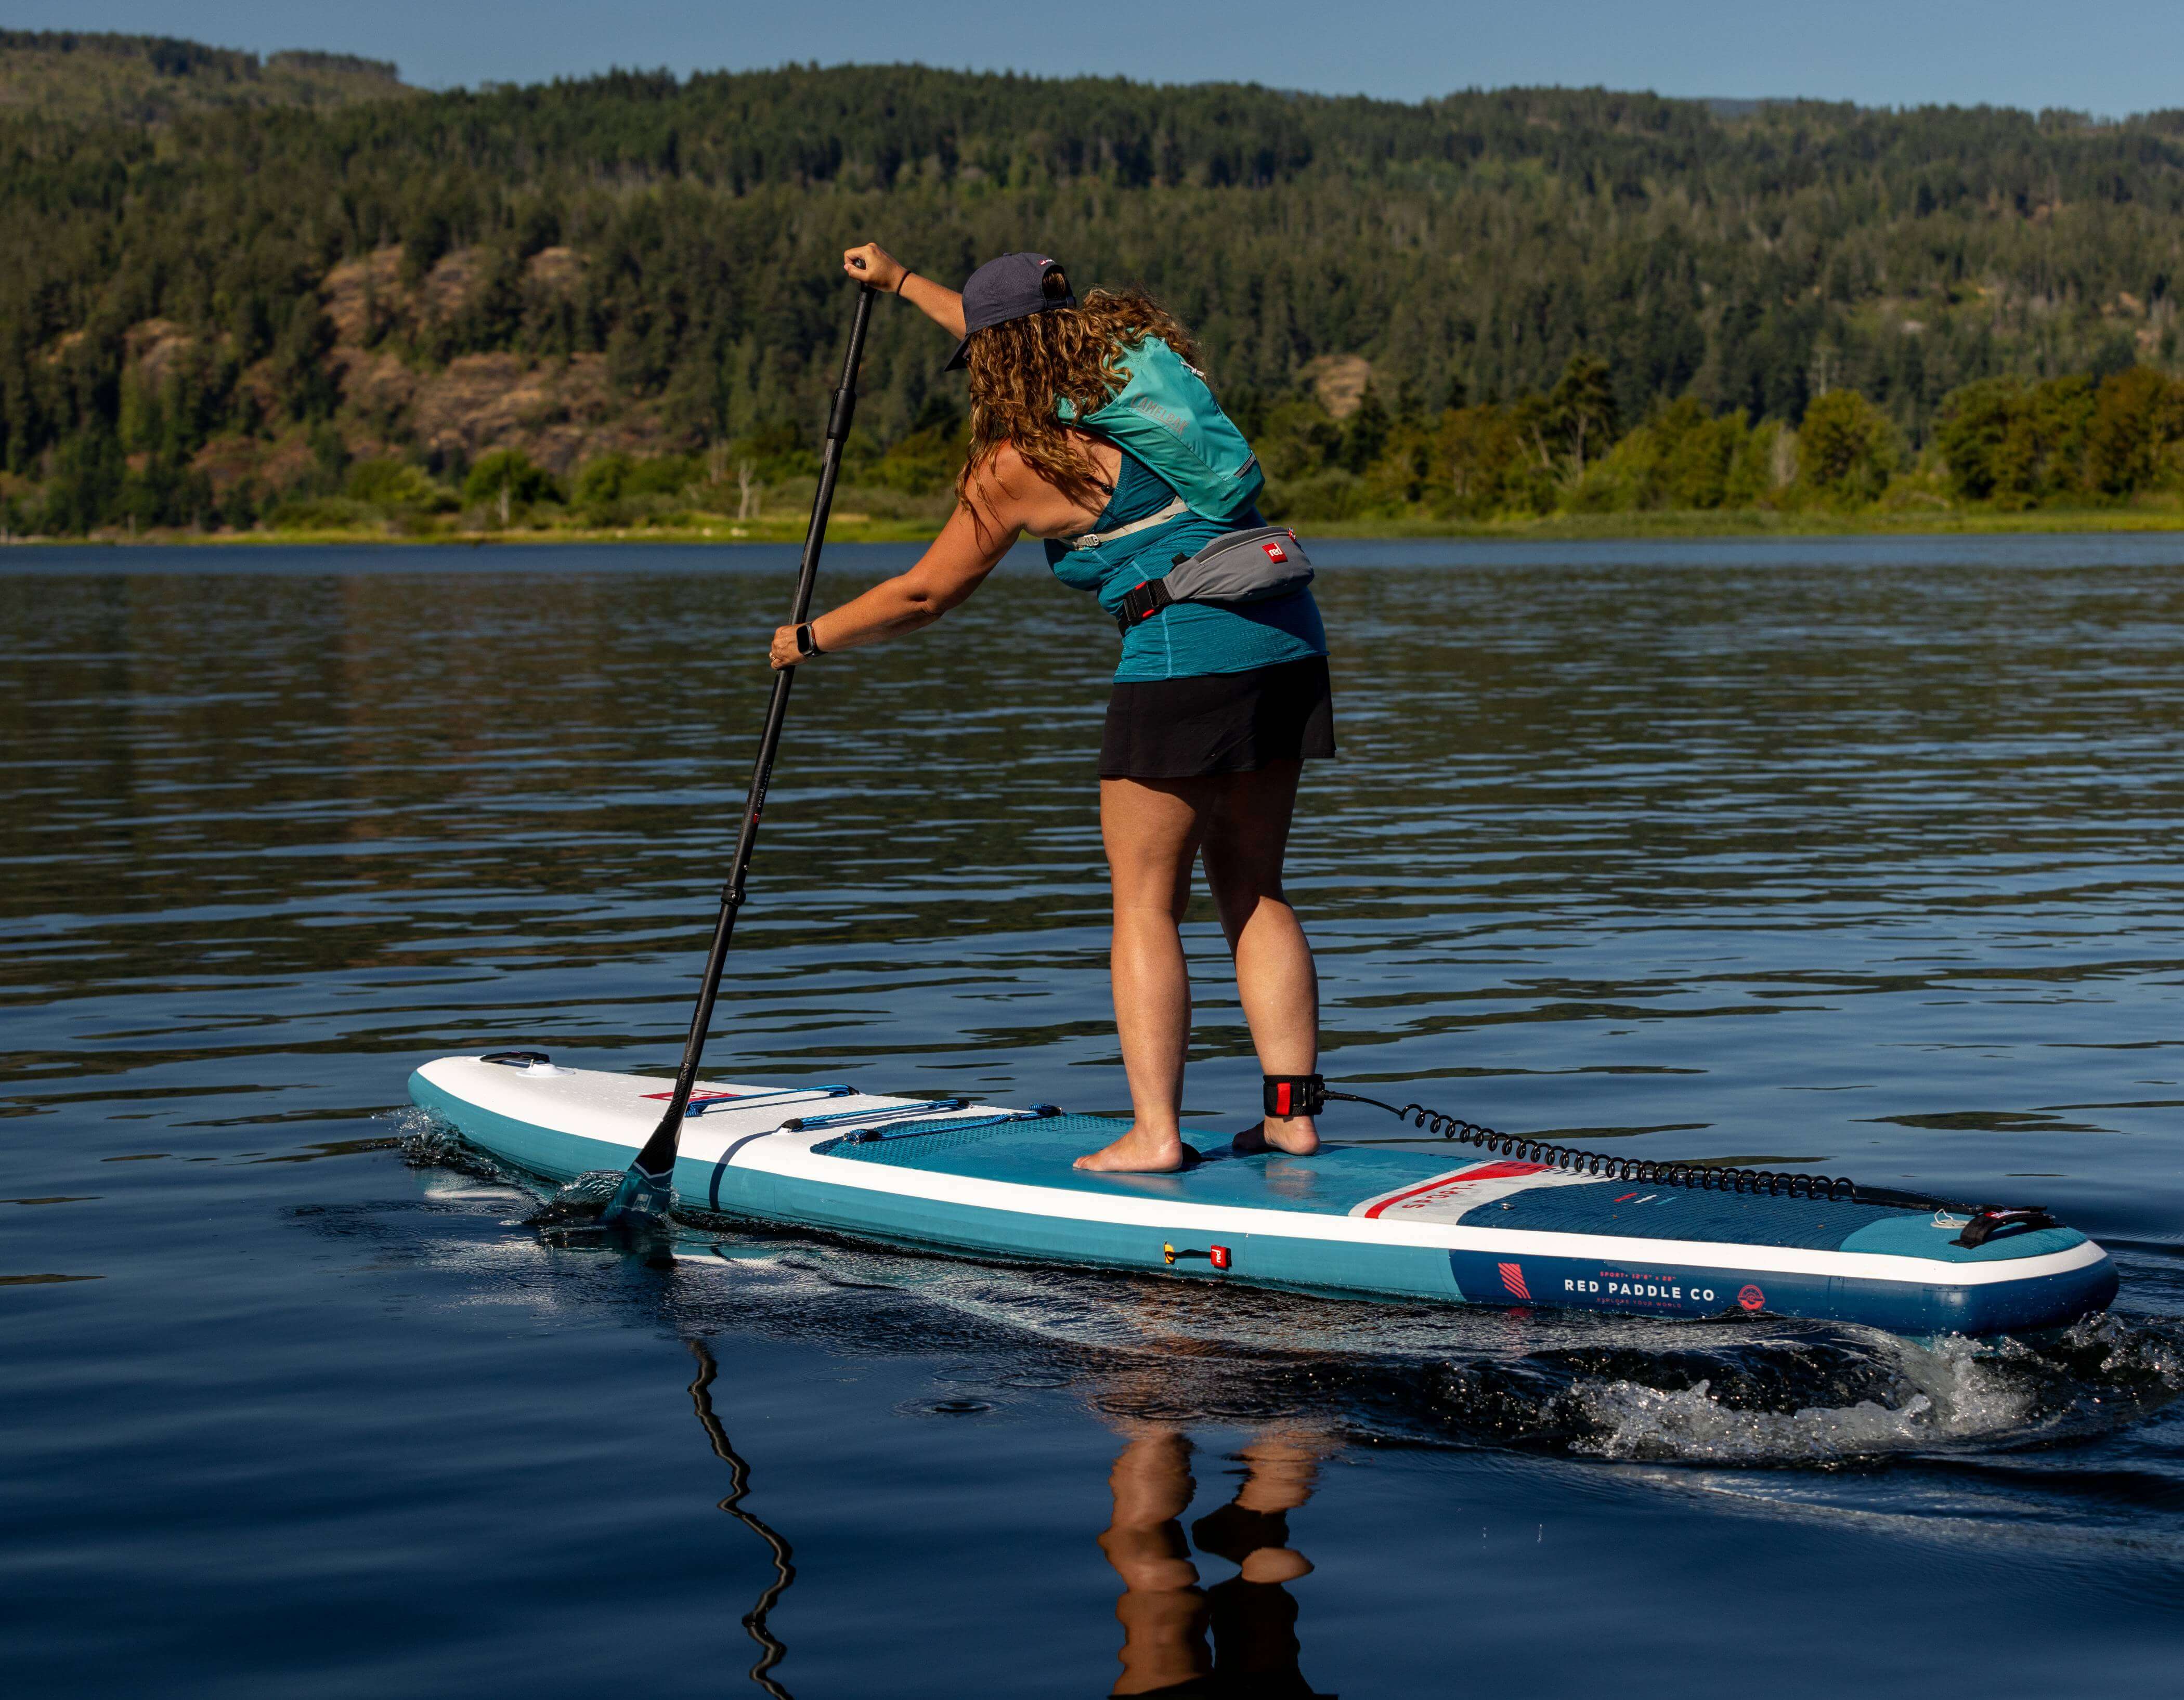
(295, 299)
(2078, 453)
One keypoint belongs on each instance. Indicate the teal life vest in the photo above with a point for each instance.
(1166, 416)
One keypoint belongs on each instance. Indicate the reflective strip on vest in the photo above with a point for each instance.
(1093, 540)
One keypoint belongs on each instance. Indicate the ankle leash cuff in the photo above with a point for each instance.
(1294, 1095)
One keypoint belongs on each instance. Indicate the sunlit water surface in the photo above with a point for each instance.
(1860, 856)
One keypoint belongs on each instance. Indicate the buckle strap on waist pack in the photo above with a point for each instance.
(1093, 540)
(1142, 602)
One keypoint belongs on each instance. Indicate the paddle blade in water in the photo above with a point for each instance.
(641, 1200)
(581, 1203)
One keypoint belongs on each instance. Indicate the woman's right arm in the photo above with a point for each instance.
(1006, 498)
(870, 263)
(956, 564)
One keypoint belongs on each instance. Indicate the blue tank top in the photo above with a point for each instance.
(1189, 639)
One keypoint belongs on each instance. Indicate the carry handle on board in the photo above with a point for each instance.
(648, 1188)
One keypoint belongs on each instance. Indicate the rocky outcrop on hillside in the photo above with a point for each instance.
(396, 400)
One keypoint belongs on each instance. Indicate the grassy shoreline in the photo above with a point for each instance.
(1658, 525)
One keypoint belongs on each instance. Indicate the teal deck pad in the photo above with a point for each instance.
(1333, 1181)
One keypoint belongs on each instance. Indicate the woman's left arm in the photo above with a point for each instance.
(956, 564)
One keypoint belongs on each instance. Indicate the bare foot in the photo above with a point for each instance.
(1294, 1134)
(1136, 1152)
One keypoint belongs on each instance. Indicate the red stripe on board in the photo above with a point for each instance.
(1492, 1171)
(1513, 1278)
(702, 1097)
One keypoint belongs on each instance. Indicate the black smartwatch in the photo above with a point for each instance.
(807, 643)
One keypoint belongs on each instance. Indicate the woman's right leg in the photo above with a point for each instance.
(1151, 829)
(1247, 839)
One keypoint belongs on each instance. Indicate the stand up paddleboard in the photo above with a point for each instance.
(1370, 1219)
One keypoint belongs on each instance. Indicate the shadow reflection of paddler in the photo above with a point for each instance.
(1166, 1616)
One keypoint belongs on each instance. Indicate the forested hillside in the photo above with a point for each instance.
(491, 297)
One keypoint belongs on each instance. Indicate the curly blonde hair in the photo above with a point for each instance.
(1018, 369)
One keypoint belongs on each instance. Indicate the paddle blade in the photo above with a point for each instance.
(579, 1203)
(642, 1201)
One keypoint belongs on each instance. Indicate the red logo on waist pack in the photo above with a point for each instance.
(1274, 552)
(1752, 1299)
(1513, 1278)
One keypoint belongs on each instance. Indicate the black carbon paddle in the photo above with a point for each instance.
(648, 1188)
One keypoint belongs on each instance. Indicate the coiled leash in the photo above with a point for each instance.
(1299, 1095)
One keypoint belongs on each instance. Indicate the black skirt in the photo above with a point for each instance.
(1219, 722)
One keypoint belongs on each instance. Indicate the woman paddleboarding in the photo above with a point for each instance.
(1091, 428)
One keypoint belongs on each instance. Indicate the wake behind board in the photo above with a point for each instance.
(1378, 1220)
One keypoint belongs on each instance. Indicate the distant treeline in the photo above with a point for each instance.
(204, 320)
(2069, 442)
(79, 75)
(170, 56)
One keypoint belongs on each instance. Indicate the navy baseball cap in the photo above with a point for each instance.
(1013, 287)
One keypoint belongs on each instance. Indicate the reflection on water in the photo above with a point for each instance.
(771, 1651)
(1166, 1617)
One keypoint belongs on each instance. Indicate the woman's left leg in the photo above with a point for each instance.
(1151, 828)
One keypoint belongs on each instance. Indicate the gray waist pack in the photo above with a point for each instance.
(1257, 565)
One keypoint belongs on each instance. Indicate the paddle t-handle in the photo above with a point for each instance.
(647, 1190)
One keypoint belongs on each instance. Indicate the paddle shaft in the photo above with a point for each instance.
(658, 1157)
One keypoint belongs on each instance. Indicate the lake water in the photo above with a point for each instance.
(1863, 855)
